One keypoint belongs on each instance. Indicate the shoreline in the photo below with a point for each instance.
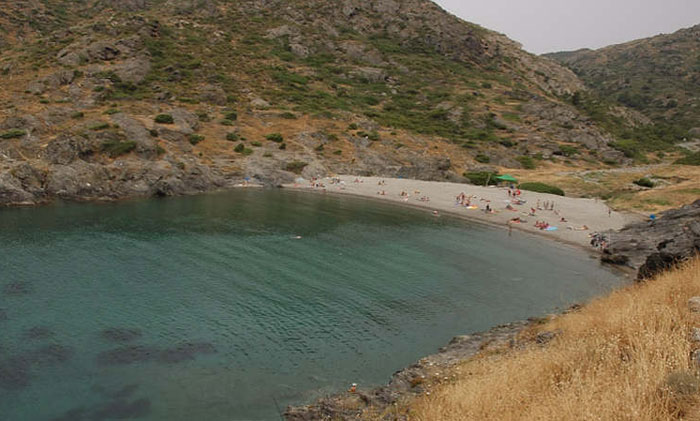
(442, 195)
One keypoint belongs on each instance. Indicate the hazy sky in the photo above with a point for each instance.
(553, 25)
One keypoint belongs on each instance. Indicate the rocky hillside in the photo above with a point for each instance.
(104, 99)
(658, 78)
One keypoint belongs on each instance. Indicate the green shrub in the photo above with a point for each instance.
(644, 182)
(507, 143)
(99, 126)
(486, 85)
(231, 115)
(203, 117)
(481, 178)
(267, 155)
(164, 119)
(296, 166)
(567, 150)
(160, 150)
(111, 111)
(275, 137)
(232, 137)
(484, 159)
(10, 134)
(116, 148)
(373, 136)
(239, 148)
(288, 116)
(226, 122)
(338, 152)
(283, 146)
(256, 144)
(691, 159)
(196, 138)
(352, 126)
(527, 162)
(77, 115)
(541, 188)
(153, 132)
(319, 148)
(247, 151)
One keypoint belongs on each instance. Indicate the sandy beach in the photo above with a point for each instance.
(583, 216)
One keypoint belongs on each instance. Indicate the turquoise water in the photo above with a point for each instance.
(230, 306)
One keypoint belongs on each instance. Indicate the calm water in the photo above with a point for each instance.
(210, 308)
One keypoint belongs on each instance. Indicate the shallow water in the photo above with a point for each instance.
(211, 307)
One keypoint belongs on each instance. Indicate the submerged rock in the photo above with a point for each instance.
(117, 334)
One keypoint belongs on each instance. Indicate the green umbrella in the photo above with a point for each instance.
(507, 177)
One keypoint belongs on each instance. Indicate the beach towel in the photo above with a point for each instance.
(472, 207)
(551, 229)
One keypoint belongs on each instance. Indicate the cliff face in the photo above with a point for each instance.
(268, 90)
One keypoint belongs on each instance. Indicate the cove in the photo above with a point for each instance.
(233, 305)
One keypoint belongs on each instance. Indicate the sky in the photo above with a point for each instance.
(544, 26)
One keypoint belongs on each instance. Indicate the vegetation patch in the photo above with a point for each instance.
(232, 137)
(99, 126)
(527, 162)
(196, 138)
(481, 178)
(275, 137)
(164, 119)
(691, 159)
(13, 133)
(296, 166)
(116, 148)
(644, 182)
(542, 188)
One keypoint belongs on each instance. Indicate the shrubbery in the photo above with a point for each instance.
(10, 134)
(527, 162)
(484, 159)
(275, 137)
(480, 178)
(232, 137)
(691, 159)
(296, 166)
(164, 119)
(196, 138)
(116, 148)
(541, 188)
(644, 182)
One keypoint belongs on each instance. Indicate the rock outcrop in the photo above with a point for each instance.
(653, 246)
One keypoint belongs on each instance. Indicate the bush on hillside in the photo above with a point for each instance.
(542, 188)
(527, 162)
(480, 178)
(164, 119)
(484, 159)
(10, 134)
(275, 137)
(232, 137)
(691, 159)
(115, 148)
(296, 166)
(196, 138)
(644, 182)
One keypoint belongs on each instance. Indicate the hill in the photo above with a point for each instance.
(658, 77)
(104, 99)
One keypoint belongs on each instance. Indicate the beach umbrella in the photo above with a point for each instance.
(507, 177)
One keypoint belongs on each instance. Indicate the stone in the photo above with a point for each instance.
(694, 305)
(695, 334)
(136, 131)
(66, 148)
(259, 103)
(543, 338)
(212, 94)
(133, 70)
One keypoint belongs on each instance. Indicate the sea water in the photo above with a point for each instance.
(231, 306)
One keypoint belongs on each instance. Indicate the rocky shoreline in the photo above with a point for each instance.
(415, 379)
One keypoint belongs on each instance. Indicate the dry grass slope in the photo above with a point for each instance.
(621, 357)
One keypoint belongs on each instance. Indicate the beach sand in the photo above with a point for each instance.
(578, 212)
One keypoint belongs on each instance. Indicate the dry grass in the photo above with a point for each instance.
(621, 357)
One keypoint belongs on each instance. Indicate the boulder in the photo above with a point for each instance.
(66, 148)
(133, 70)
(212, 94)
(653, 246)
(135, 131)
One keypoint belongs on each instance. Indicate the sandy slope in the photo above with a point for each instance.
(577, 211)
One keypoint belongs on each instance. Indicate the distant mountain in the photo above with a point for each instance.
(657, 76)
(116, 98)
